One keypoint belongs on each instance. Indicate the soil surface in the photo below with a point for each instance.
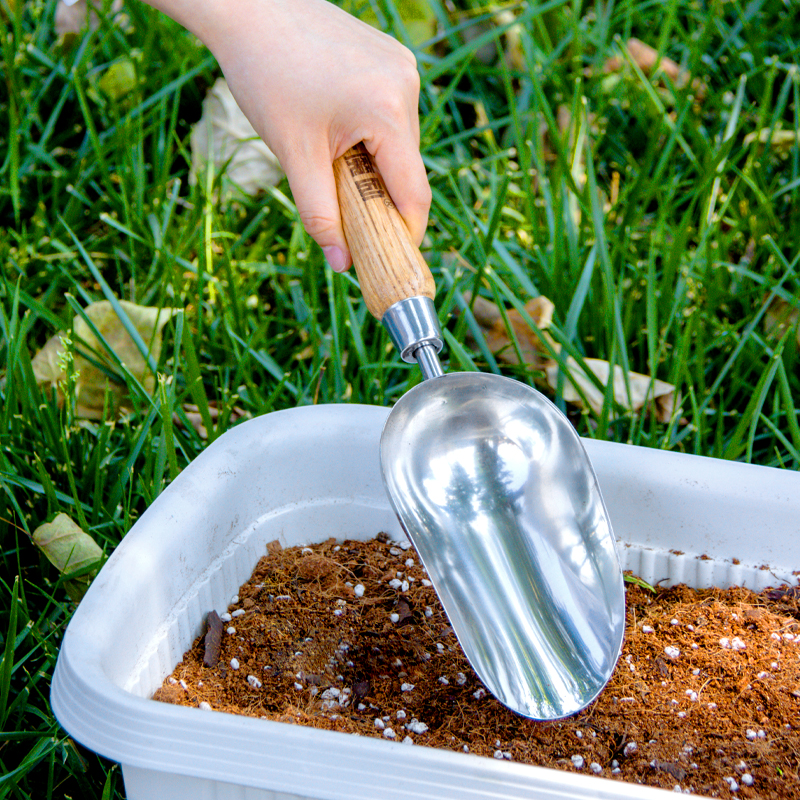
(351, 637)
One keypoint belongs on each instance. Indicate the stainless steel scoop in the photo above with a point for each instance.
(493, 487)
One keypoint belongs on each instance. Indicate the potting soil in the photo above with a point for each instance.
(350, 636)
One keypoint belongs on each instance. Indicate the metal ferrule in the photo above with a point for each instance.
(412, 323)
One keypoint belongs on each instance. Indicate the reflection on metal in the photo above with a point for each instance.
(496, 492)
(428, 360)
(411, 323)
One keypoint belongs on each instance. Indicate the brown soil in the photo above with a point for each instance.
(705, 696)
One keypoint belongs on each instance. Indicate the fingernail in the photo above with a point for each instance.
(335, 258)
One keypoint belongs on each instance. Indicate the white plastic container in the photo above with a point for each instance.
(305, 475)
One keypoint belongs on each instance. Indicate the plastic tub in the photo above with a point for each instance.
(305, 475)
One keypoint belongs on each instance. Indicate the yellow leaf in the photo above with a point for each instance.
(92, 382)
(70, 550)
(778, 139)
(118, 80)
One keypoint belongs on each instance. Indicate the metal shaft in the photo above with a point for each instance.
(428, 360)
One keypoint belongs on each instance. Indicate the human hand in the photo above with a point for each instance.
(314, 81)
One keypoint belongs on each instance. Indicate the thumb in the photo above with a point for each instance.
(314, 191)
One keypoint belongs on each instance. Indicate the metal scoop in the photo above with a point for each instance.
(493, 487)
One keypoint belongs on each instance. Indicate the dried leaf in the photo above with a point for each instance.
(532, 345)
(642, 388)
(119, 80)
(404, 612)
(91, 383)
(195, 418)
(225, 136)
(213, 639)
(73, 17)
(783, 593)
(536, 347)
(169, 694)
(671, 768)
(47, 363)
(316, 567)
(780, 140)
(780, 317)
(70, 550)
(646, 58)
(360, 690)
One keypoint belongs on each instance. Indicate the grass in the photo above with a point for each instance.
(660, 219)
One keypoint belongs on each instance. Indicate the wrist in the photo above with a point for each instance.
(213, 21)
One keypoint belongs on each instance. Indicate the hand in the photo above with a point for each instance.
(314, 81)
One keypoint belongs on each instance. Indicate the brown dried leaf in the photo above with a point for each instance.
(780, 317)
(404, 612)
(360, 690)
(195, 418)
(671, 768)
(213, 639)
(784, 593)
(170, 694)
(646, 58)
(316, 567)
(532, 345)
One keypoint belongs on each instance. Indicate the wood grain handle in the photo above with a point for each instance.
(389, 266)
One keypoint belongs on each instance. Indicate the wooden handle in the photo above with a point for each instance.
(389, 266)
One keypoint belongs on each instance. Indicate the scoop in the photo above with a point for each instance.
(493, 487)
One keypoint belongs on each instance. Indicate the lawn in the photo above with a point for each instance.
(631, 167)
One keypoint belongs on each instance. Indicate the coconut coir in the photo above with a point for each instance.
(351, 637)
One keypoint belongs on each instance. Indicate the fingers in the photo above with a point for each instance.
(396, 150)
(311, 180)
(406, 179)
(314, 190)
